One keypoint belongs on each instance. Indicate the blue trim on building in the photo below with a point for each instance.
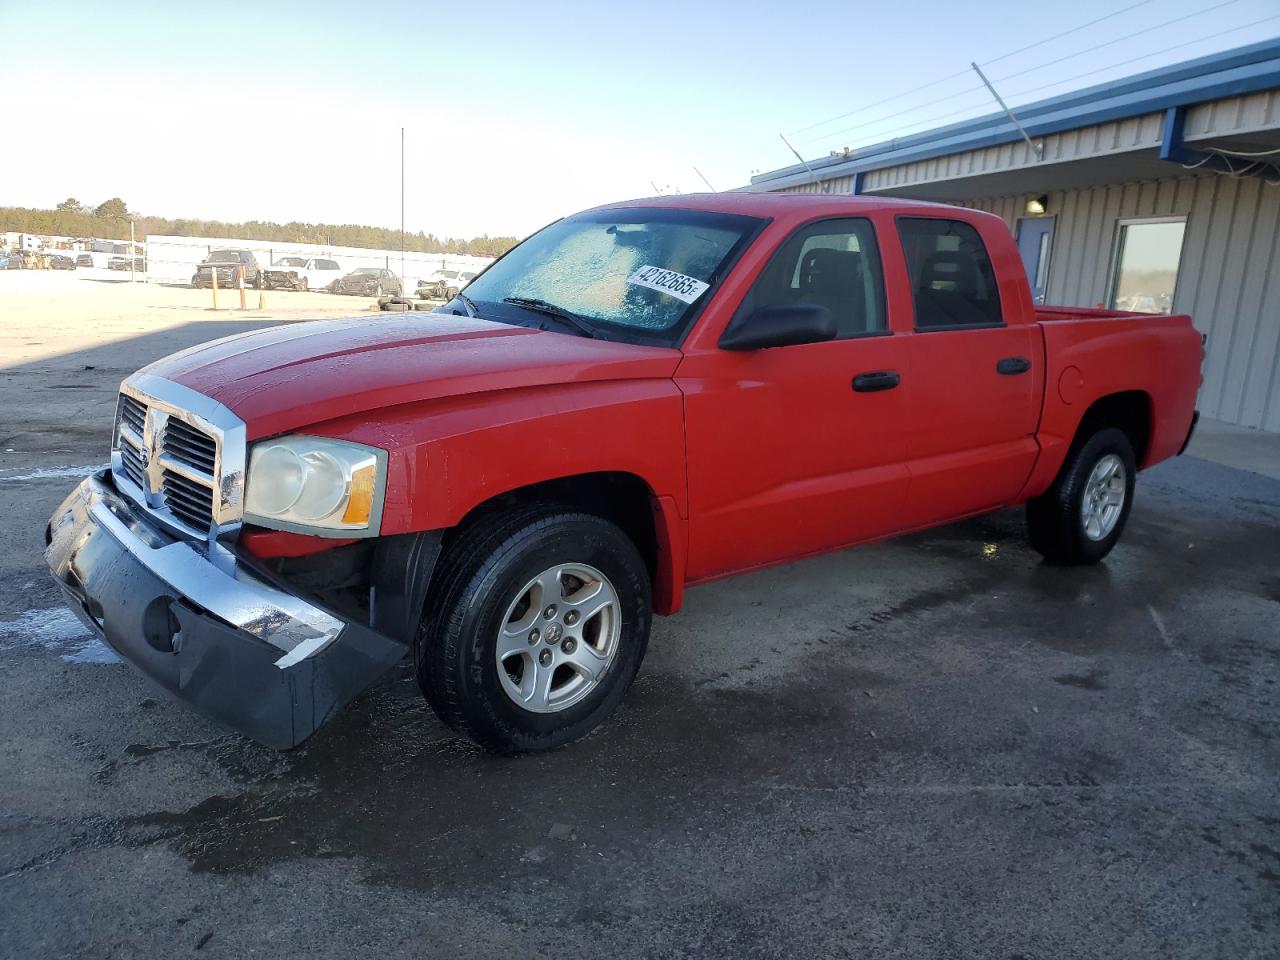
(1174, 149)
(1230, 73)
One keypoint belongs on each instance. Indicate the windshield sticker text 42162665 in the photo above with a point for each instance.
(669, 282)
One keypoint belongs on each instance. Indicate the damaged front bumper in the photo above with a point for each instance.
(206, 626)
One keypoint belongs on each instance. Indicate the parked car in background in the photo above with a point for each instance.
(84, 260)
(301, 273)
(287, 273)
(60, 261)
(226, 263)
(370, 282)
(637, 398)
(445, 284)
(122, 263)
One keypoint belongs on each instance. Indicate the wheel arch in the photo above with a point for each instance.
(652, 522)
(1131, 411)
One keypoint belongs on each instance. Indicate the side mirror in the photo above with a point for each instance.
(781, 325)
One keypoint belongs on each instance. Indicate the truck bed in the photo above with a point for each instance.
(1047, 314)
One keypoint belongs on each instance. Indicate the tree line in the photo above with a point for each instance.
(109, 220)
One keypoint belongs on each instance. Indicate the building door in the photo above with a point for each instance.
(1035, 243)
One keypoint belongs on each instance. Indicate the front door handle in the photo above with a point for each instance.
(876, 380)
(1012, 366)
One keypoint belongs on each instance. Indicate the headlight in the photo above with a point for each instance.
(316, 485)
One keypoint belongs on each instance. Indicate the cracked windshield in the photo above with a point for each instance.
(644, 270)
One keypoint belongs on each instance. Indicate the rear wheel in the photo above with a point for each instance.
(537, 629)
(1081, 517)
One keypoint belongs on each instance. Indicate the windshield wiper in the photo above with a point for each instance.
(567, 317)
(468, 303)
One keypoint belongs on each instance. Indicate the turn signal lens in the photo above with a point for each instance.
(360, 496)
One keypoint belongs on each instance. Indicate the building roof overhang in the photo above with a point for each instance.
(1243, 70)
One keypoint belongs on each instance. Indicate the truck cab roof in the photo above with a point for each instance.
(791, 205)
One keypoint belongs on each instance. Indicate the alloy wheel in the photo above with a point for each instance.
(558, 637)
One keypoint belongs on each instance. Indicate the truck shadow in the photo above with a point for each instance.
(63, 404)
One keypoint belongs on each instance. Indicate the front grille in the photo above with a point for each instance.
(187, 458)
(190, 502)
(131, 461)
(133, 413)
(190, 446)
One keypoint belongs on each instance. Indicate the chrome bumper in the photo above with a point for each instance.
(203, 625)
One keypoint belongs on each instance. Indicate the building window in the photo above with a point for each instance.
(1146, 265)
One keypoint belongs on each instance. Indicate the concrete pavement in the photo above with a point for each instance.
(934, 747)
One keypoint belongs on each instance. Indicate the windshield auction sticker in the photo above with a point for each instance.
(669, 282)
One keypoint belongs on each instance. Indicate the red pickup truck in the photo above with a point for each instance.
(637, 398)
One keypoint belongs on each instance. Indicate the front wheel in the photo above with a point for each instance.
(535, 630)
(1080, 518)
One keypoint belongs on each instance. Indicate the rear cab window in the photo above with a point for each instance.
(953, 283)
(833, 263)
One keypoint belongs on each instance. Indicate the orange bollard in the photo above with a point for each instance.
(213, 278)
(240, 280)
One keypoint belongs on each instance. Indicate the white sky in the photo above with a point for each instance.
(515, 113)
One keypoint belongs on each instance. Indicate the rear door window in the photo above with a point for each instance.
(953, 282)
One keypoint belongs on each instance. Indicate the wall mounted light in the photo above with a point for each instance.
(1038, 205)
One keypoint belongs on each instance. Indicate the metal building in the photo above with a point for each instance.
(1158, 192)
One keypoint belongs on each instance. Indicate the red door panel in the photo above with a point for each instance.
(973, 427)
(785, 458)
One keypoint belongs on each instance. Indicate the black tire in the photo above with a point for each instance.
(478, 578)
(1056, 519)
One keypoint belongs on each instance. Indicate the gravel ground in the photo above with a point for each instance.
(934, 747)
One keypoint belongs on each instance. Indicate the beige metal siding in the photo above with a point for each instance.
(1234, 115)
(834, 185)
(1100, 140)
(1228, 278)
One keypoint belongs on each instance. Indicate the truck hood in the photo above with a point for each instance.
(287, 377)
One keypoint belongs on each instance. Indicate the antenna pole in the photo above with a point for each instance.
(813, 176)
(704, 180)
(1036, 148)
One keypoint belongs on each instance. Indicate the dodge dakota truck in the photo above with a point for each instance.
(635, 399)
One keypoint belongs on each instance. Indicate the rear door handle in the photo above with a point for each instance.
(876, 380)
(1012, 366)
